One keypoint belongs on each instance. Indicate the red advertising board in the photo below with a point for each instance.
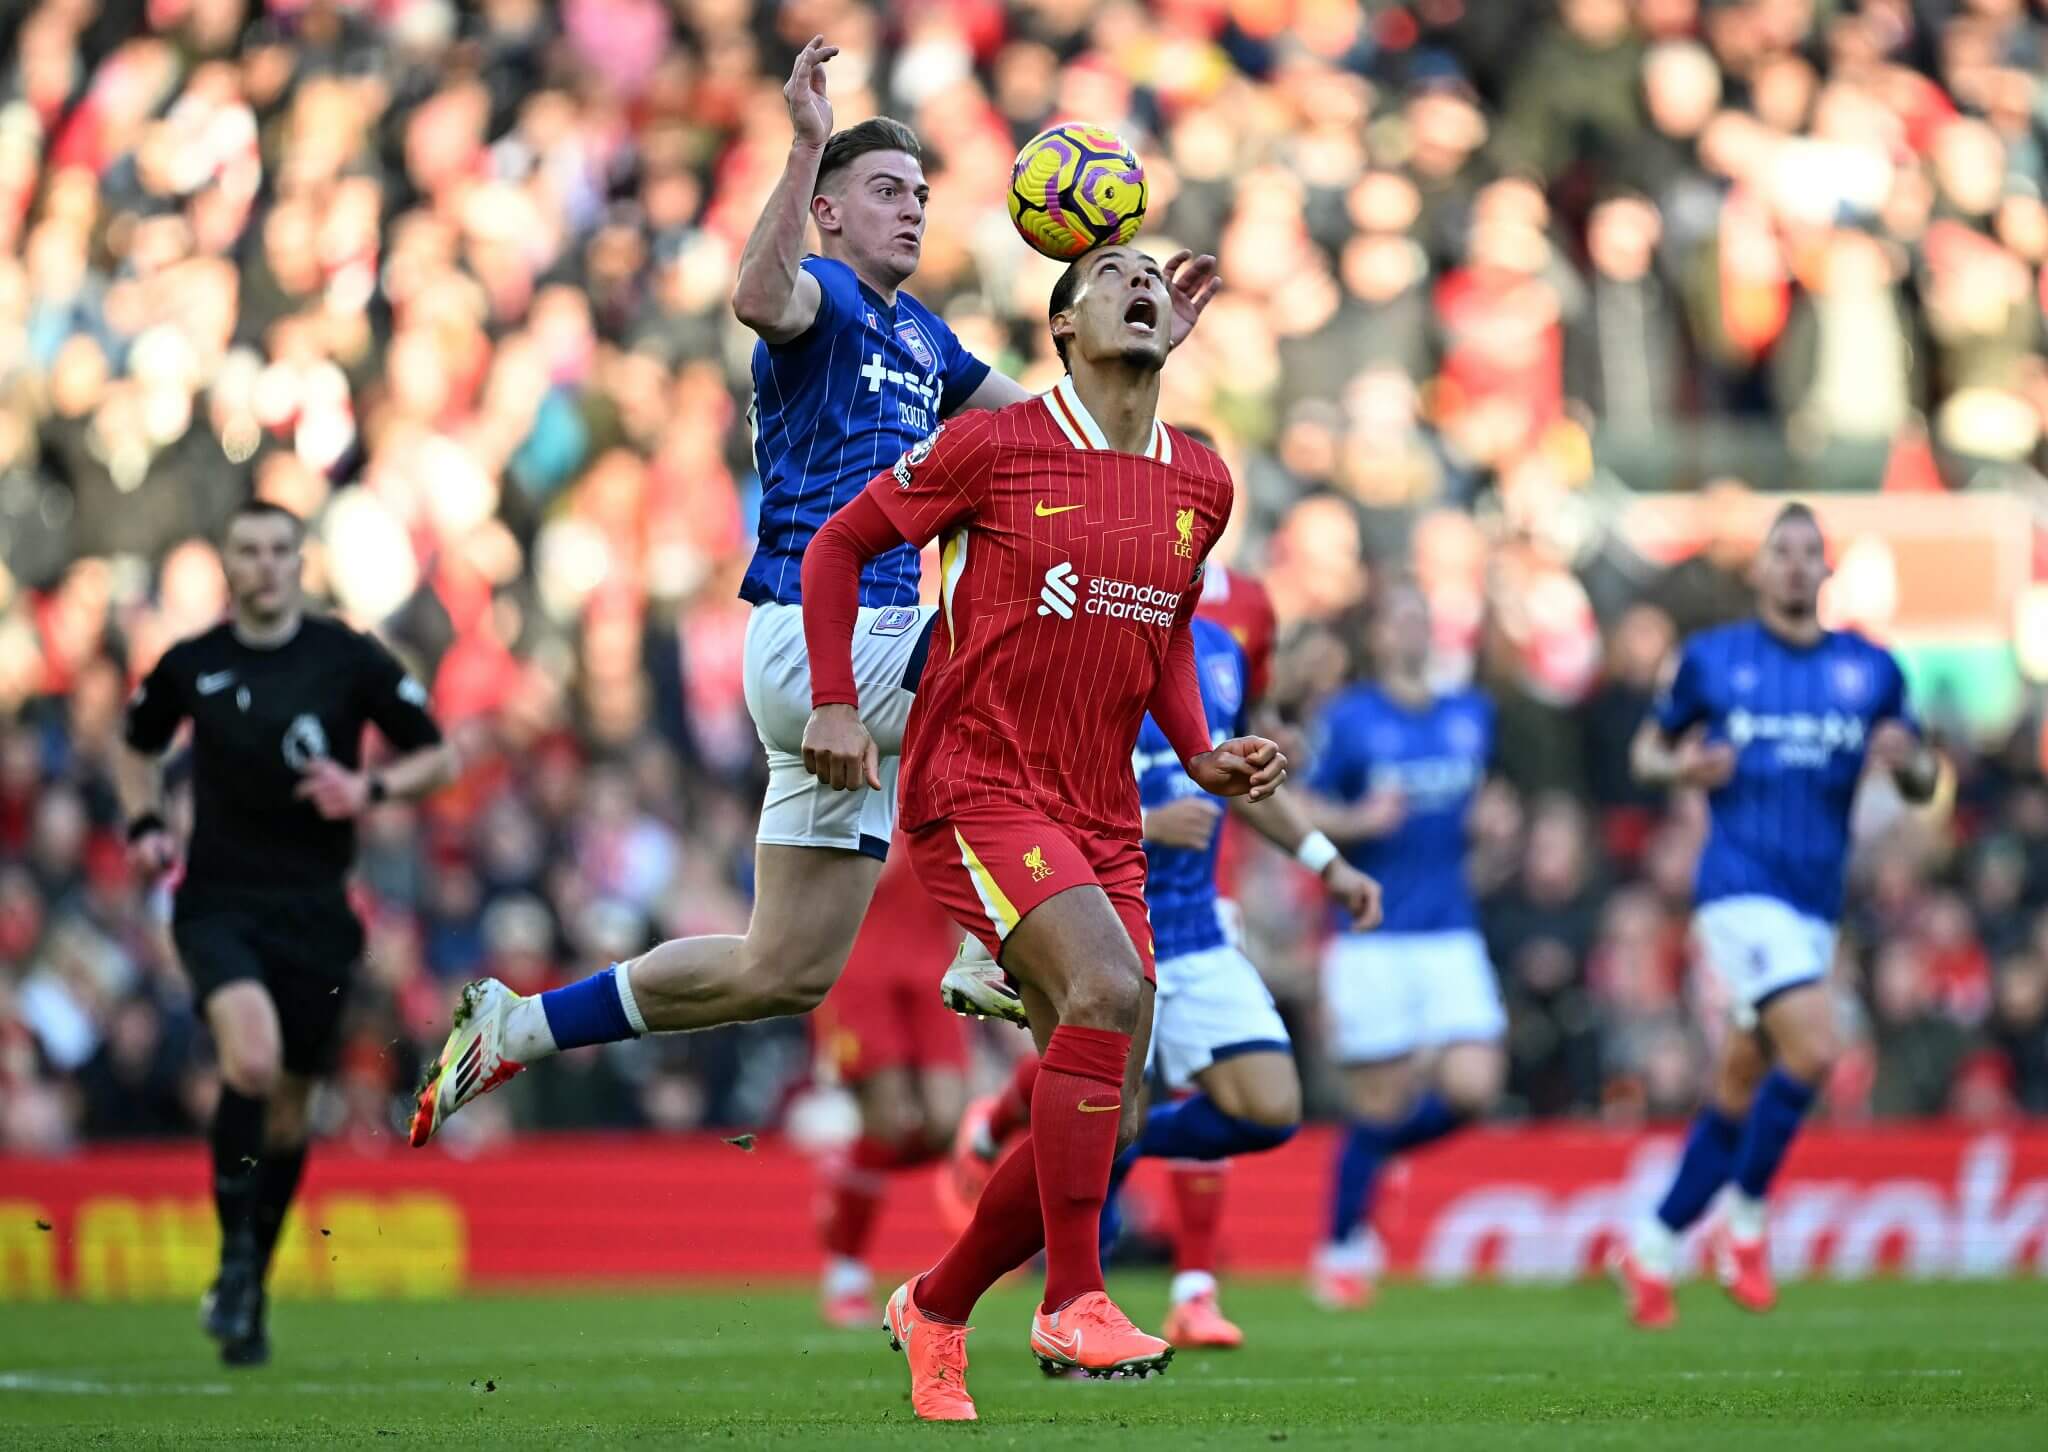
(1522, 1203)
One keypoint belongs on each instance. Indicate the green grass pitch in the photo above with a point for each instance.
(1890, 1364)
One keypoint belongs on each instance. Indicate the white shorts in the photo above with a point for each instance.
(1211, 1006)
(1759, 947)
(1386, 995)
(889, 645)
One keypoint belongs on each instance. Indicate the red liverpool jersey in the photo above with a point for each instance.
(1062, 566)
(1239, 603)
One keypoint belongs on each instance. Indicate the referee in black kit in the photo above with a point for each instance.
(278, 699)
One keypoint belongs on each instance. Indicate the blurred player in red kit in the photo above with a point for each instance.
(883, 1034)
(1075, 527)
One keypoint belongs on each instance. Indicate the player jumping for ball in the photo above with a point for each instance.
(1074, 528)
(1775, 719)
(849, 372)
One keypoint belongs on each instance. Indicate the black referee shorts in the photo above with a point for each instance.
(302, 947)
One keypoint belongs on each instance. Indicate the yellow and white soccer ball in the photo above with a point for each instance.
(1077, 186)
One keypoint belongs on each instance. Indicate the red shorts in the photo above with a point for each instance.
(990, 867)
(884, 1012)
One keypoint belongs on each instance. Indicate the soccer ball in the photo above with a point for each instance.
(1077, 186)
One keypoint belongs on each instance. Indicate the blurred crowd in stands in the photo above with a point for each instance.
(451, 281)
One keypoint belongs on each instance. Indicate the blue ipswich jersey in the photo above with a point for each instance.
(837, 406)
(1435, 756)
(1180, 882)
(1799, 718)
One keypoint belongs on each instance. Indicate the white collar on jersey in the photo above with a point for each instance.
(1074, 420)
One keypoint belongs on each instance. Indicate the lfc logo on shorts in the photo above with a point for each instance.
(1184, 525)
(1040, 868)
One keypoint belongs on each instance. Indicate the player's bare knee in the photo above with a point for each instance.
(251, 1069)
(1810, 1056)
(285, 1122)
(1472, 1079)
(1380, 1092)
(1269, 1099)
(1271, 1106)
(796, 969)
(1105, 997)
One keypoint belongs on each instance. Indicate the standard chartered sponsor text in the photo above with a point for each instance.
(1122, 600)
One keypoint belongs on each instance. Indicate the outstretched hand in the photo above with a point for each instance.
(1244, 766)
(1192, 281)
(809, 111)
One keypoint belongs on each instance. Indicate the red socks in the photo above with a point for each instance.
(1012, 1110)
(1049, 1189)
(1075, 1106)
(1198, 1196)
(853, 1192)
(1006, 1231)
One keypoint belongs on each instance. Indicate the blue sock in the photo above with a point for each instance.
(1187, 1129)
(589, 1012)
(1367, 1148)
(1773, 1119)
(1195, 1129)
(1429, 1120)
(1111, 1228)
(1703, 1169)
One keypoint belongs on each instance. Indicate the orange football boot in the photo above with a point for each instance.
(1089, 1332)
(937, 1353)
(1199, 1321)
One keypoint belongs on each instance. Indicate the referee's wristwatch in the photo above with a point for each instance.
(378, 792)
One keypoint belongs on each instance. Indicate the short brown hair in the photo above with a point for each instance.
(879, 133)
(266, 509)
(1795, 512)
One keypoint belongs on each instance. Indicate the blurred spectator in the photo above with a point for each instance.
(1919, 1049)
(2020, 1029)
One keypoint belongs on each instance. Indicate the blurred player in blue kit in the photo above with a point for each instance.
(1218, 1043)
(1775, 719)
(1413, 1012)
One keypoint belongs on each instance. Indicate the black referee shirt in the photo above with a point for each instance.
(261, 716)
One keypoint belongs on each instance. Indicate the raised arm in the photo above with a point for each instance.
(773, 295)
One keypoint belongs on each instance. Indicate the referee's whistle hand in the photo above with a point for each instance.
(336, 793)
(838, 750)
